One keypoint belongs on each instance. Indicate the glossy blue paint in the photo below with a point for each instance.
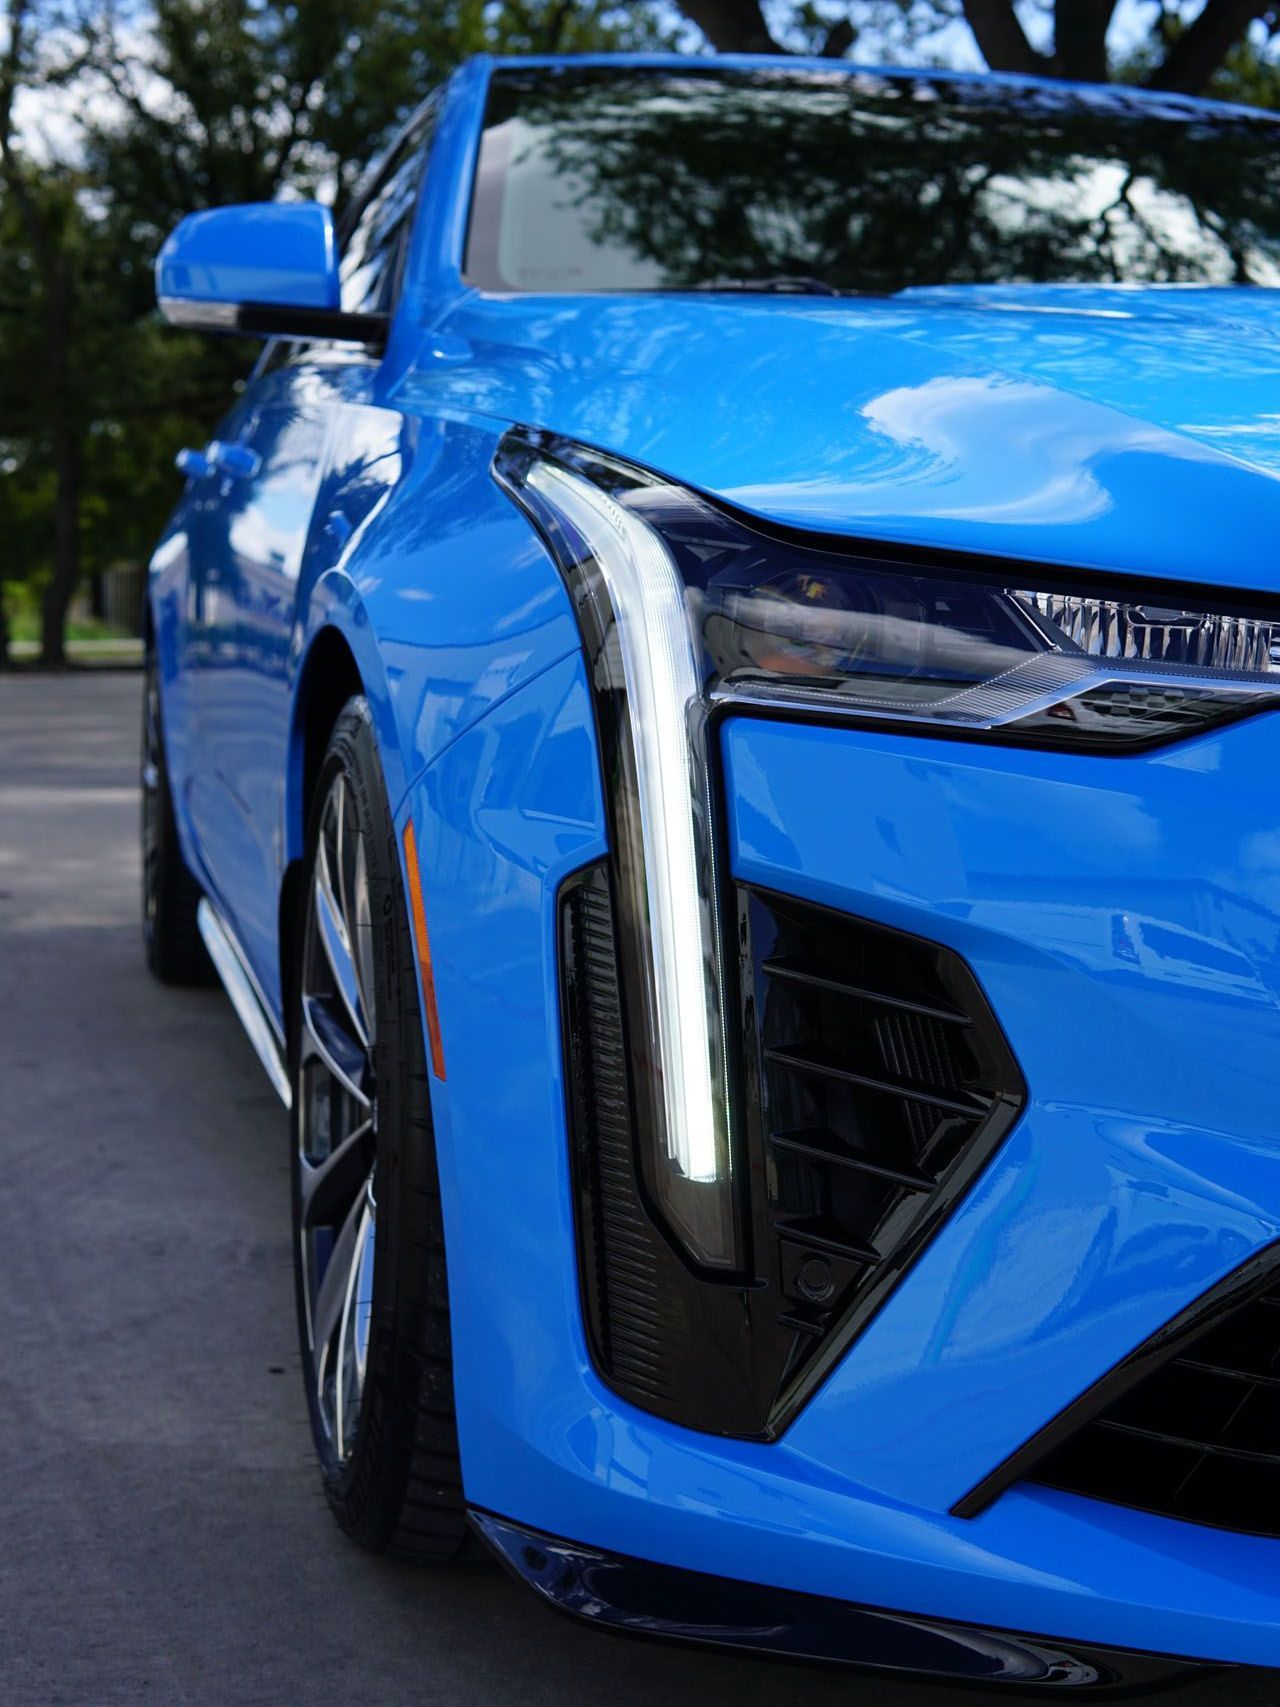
(368, 522)
(1123, 914)
(282, 253)
(1132, 425)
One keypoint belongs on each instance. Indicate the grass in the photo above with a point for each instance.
(24, 628)
(88, 640)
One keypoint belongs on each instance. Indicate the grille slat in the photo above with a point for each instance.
(1199, 1447)
(828, 1148)
(794, 1061)
(820, 1236)
(1230, 1374)
(790, 972)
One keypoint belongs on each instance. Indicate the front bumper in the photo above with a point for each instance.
(1123, 916)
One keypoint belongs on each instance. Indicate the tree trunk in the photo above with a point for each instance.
(1080, 39)
(732, 26)
(1205, 43)
(66, 550)
(68, 458)
(1001, 39)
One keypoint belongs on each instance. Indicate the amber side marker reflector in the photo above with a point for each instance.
(423, 946)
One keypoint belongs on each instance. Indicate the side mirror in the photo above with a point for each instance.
(265, 269)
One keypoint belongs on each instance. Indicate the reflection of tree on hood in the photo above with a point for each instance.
(879, 184)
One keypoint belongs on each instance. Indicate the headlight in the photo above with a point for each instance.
(1019, 663)
(687, 608)
(992, 651)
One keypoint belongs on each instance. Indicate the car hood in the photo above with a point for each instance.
(1118, 429)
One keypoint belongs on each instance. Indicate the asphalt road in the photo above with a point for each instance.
(162, 1533)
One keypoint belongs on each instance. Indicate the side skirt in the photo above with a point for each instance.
(240, 984)
(639, 1597)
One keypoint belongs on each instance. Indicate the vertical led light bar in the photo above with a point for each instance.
(648, 661)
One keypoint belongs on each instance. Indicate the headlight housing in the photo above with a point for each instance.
(989, 650)
(688, 610)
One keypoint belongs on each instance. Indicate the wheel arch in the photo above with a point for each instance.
(328, 678)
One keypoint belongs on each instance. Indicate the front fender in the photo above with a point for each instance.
(443, 594)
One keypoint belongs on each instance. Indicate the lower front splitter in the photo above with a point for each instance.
(639, 1597)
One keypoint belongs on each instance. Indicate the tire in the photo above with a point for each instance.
(170, 894)
(369, 1257)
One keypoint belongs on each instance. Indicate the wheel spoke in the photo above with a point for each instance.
(348, 1382)
(333, 1283)
(328, 1187)
(326, 1037)
(360, 932)
(337, 949)
(341, 874)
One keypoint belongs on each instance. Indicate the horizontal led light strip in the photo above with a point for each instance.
(663, 687)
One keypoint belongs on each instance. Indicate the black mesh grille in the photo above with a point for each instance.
(1199, 1436)
(884, 1085)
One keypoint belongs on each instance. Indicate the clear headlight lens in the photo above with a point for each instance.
(686, 608)
(1058, 667)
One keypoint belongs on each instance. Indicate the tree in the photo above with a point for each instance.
(1187, 46)
(48, 217)
(182, 105)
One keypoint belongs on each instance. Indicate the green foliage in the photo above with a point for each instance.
(188, 104)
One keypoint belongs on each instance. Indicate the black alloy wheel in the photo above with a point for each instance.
(369, 1256)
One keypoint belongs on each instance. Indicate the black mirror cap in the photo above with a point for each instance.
(275, 320)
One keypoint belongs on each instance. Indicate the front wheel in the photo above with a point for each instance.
(369, 1257)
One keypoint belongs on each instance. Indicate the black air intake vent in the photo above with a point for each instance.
(885, 1084)
(1198, 1437)
(871, 1086)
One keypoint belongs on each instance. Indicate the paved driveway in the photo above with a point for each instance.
(162, 1532)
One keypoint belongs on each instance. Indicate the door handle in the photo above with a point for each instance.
(337, 529)
(193, 463)
(234, 460)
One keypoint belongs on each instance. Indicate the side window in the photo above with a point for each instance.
(374, 250)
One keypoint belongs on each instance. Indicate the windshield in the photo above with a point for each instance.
(610, 179)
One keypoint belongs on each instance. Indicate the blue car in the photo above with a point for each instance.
(714, 705)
